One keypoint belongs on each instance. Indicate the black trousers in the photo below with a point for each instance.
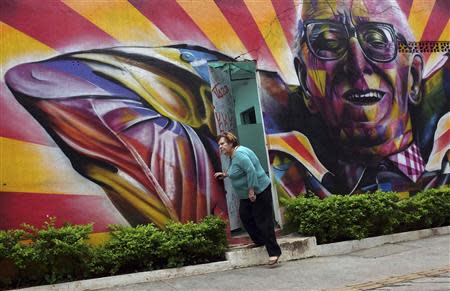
(257, 218)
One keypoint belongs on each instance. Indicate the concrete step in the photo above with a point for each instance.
(293, 247)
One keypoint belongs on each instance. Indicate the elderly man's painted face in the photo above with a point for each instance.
(355, 78)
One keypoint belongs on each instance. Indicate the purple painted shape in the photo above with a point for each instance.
(39, 81)
(120, 115)
(82, 70)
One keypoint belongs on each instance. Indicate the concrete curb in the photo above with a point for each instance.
(294, 247)
(346, 247)
(136, 278)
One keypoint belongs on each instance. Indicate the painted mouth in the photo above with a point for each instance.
(367, 97)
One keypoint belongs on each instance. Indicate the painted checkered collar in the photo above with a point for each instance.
(409, 162)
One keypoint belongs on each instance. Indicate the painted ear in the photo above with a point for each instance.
(300, 69)
(415, 84)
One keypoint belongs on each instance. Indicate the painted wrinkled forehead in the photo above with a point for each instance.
(387, 11)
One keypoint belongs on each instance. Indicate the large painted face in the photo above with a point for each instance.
(355, 78)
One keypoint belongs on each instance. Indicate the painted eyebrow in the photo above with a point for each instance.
(313, 13)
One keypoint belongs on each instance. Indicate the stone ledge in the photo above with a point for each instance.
(293, 247)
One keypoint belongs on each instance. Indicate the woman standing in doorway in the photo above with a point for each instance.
(252, 186)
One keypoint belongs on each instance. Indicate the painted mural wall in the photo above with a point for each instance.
(106, 111)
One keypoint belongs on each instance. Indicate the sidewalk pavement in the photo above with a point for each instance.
(377, 261)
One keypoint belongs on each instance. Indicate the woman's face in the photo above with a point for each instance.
(225, 147)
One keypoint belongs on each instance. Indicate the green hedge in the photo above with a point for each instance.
(31, 256)
(339, 218)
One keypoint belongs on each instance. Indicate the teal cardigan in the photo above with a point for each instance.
(245, 171)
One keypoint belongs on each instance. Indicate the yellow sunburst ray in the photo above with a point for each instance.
(267, 21)
(17, 47)
(28, 167)
(207, 15)
(419, 15)
(121, 20)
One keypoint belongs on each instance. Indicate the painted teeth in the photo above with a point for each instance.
(370, 95)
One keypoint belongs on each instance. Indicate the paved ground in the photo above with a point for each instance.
(415, 265)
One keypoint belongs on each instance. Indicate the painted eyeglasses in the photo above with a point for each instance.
(329, 40)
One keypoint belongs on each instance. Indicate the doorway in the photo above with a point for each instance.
(237, 108)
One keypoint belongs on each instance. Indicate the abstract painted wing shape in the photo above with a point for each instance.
(137, 121)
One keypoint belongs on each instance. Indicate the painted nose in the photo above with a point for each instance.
(356, 63)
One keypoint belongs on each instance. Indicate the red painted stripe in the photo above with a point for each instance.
(33, 208)
(293, 142)
(240, 18)
(52, 23)
(287, 16)
(173, 21)
(443, 140)
(437, 21)
(405, 5)
(17, 123)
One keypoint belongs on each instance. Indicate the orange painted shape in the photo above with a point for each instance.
(267, 21)
(98, 238)
(208, 17)
(318, 76)
(418, 17)
(121, 20)
(298, 146)
(17, 47)
(27, 167)
(438, 57)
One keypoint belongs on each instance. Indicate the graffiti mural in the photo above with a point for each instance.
(367, 117)
(107, 114)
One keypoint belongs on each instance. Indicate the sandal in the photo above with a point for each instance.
(273, 260)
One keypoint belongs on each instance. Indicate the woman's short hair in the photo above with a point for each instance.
(229, 137)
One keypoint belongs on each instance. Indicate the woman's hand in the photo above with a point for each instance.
(251, 195)
(220, 175)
